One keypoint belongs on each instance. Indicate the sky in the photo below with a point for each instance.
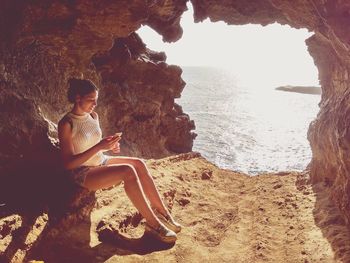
(273, 55)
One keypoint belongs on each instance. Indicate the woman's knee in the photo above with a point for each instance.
(138, 163)
(130, 173)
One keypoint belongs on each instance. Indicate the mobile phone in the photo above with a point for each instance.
(117, 134)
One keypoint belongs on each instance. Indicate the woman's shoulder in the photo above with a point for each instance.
(94, 115)
(65, 121)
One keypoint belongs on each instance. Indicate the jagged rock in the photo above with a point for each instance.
(138, 99)
(206, 175)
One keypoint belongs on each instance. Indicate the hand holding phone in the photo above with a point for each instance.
(117, 134)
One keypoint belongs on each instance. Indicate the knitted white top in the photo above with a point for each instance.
(86, 132)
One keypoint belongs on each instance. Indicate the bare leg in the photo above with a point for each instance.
(146, 180)
(106, 176)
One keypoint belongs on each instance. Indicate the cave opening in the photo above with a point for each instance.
(233, 75)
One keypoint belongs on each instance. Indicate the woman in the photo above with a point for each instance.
(82, 149)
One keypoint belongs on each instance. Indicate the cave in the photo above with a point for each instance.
(44, 43)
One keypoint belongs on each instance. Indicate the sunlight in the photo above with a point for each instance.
(258, 56)
(231, 73)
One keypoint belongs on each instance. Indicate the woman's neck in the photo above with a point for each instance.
(77, 111)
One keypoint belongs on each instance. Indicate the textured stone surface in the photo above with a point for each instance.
(43, 43)
(52, 41)
(138, 99)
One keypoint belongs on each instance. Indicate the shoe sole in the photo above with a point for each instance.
(171, 239)
(164, 239)
(168, 224)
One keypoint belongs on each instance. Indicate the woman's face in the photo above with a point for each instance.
(88, 102)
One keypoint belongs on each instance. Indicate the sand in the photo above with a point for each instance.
(227, 217)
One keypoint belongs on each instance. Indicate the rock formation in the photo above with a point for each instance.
(301, 89)
(44, 43)
(53, 41)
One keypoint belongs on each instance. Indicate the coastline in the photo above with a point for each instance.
(312, 90)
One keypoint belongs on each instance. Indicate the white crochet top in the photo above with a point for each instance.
(86, 132)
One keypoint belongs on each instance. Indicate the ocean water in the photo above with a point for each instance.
(249, 129)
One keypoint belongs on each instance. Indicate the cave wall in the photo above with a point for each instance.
(44, 43)
(138, 99)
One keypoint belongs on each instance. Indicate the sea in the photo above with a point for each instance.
(249, 128)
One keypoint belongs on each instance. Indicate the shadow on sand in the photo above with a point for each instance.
(44, 216)
(329, 219)
(73, 245)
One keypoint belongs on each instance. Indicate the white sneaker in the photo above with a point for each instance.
(162, 233)
(168, 221)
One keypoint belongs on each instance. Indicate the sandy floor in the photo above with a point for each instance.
(227, 217)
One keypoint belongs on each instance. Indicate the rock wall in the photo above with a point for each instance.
(43, 43)
(138, 99)
(53, 41)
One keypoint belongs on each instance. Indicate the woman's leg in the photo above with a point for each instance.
(146, 180)
(106, 176)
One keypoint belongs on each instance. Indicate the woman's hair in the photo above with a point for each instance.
(80, 87)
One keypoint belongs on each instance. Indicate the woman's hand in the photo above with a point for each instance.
(116, 148)
(108, 143)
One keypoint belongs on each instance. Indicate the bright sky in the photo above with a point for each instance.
(273, 55)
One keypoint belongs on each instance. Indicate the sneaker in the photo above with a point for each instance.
(168, 221)
(162, 233)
